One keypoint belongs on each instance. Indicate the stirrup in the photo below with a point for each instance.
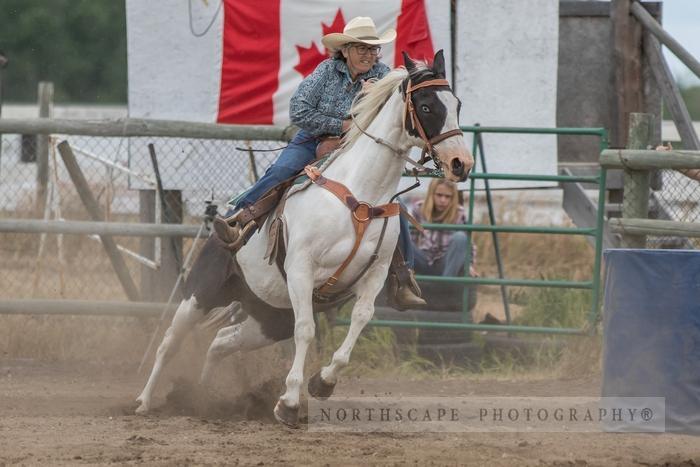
(226, 231)
(230, 232)
(222, 226)
(244, 235)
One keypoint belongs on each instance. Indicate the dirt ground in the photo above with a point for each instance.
(61, 414)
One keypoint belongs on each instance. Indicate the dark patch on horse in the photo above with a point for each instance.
(212, 277)
(430, 110)
(216, 280)
(276, 323)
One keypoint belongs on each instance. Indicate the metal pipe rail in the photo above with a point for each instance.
(517, 282)
(470, 326)
(134, 127)
(117, 229)
(512, 229)
(600, 132)
(536, 178)
(81, 307)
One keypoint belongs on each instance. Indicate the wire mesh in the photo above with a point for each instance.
(118, 170)
(676, 200)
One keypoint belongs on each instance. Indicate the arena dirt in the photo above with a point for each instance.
(61, 414)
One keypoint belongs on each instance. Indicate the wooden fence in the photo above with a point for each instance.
(637, 163)
(107, 230)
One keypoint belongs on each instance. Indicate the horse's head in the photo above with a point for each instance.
(432, 117)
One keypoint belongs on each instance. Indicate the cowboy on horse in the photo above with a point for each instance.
(342, 245)
(320, 107)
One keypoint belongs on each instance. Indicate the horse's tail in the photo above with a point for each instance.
(224, 316)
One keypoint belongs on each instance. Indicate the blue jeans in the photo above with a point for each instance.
(452, 264)
(300, 152)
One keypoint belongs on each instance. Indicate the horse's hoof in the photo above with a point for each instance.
(288, 416)
(319, 389)
(143, 408)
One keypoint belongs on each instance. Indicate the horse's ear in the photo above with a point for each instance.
(410, 64)
(439, 64)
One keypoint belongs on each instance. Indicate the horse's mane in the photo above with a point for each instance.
(368, 103)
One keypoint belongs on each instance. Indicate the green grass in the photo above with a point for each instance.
(376, 350)
(551, 307)
(378, 353)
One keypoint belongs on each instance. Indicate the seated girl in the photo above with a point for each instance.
(442, 252)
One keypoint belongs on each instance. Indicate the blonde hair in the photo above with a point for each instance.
(449, 215)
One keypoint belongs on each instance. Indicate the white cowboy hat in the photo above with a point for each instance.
(359, 29)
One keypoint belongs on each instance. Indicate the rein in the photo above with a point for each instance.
(402, 154)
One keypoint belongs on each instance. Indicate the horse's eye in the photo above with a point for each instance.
(425, 108)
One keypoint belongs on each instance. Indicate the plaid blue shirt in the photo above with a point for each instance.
(322, 101)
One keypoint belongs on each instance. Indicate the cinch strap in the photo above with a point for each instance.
(361, 214)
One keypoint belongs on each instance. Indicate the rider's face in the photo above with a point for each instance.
(360, 58)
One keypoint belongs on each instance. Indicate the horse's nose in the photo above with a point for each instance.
(457, 167)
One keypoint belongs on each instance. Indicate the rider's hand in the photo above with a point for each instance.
(347, 123)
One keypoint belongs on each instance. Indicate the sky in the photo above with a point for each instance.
(681, 19)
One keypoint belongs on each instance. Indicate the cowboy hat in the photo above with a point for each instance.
(360, 29)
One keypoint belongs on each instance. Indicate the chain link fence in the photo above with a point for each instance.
(677, 200)
(119, 172)
(672, 196)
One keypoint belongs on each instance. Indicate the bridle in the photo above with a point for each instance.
(429, 151)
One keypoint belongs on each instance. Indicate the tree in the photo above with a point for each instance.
(80, 45)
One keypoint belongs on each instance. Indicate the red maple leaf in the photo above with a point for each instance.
(310, 57)
(337, 26)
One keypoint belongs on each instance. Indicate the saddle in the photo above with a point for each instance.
(260, 210)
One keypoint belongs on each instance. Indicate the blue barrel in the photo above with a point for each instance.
(652, 330)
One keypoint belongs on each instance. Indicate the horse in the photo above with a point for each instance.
(412, 106)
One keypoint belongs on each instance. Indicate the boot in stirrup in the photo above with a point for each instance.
(229, 231)
(403, 290)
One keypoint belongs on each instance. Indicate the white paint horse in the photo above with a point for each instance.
(409, 107)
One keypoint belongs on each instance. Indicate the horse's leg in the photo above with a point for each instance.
(300, 283)
(185, 318)
(321, 384)
(244, 336)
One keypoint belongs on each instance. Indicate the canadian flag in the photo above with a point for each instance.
(239, 61)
